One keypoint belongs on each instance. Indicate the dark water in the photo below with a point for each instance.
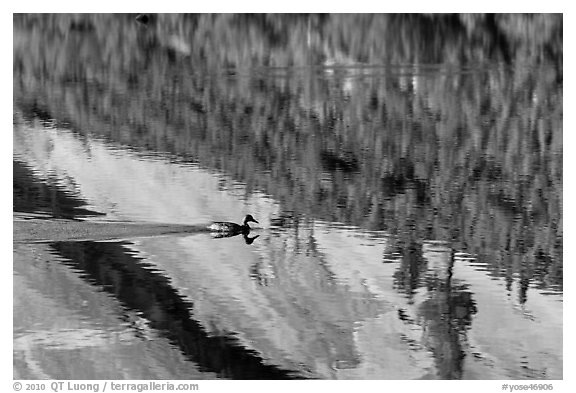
(406, 172)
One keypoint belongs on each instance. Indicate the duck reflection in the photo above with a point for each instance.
(247, 239)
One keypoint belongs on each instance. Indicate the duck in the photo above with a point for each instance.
(230, 227)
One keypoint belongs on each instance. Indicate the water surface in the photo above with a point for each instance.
(410, 209)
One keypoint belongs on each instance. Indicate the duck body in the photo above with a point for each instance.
(230, 227)
(221, 226)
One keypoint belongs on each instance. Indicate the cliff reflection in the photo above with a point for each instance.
(111, 267)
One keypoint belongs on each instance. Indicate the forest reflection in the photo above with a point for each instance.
(429, 127)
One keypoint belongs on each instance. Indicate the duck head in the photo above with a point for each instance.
(248, 219)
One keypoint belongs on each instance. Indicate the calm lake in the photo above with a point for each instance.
(405, 171)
